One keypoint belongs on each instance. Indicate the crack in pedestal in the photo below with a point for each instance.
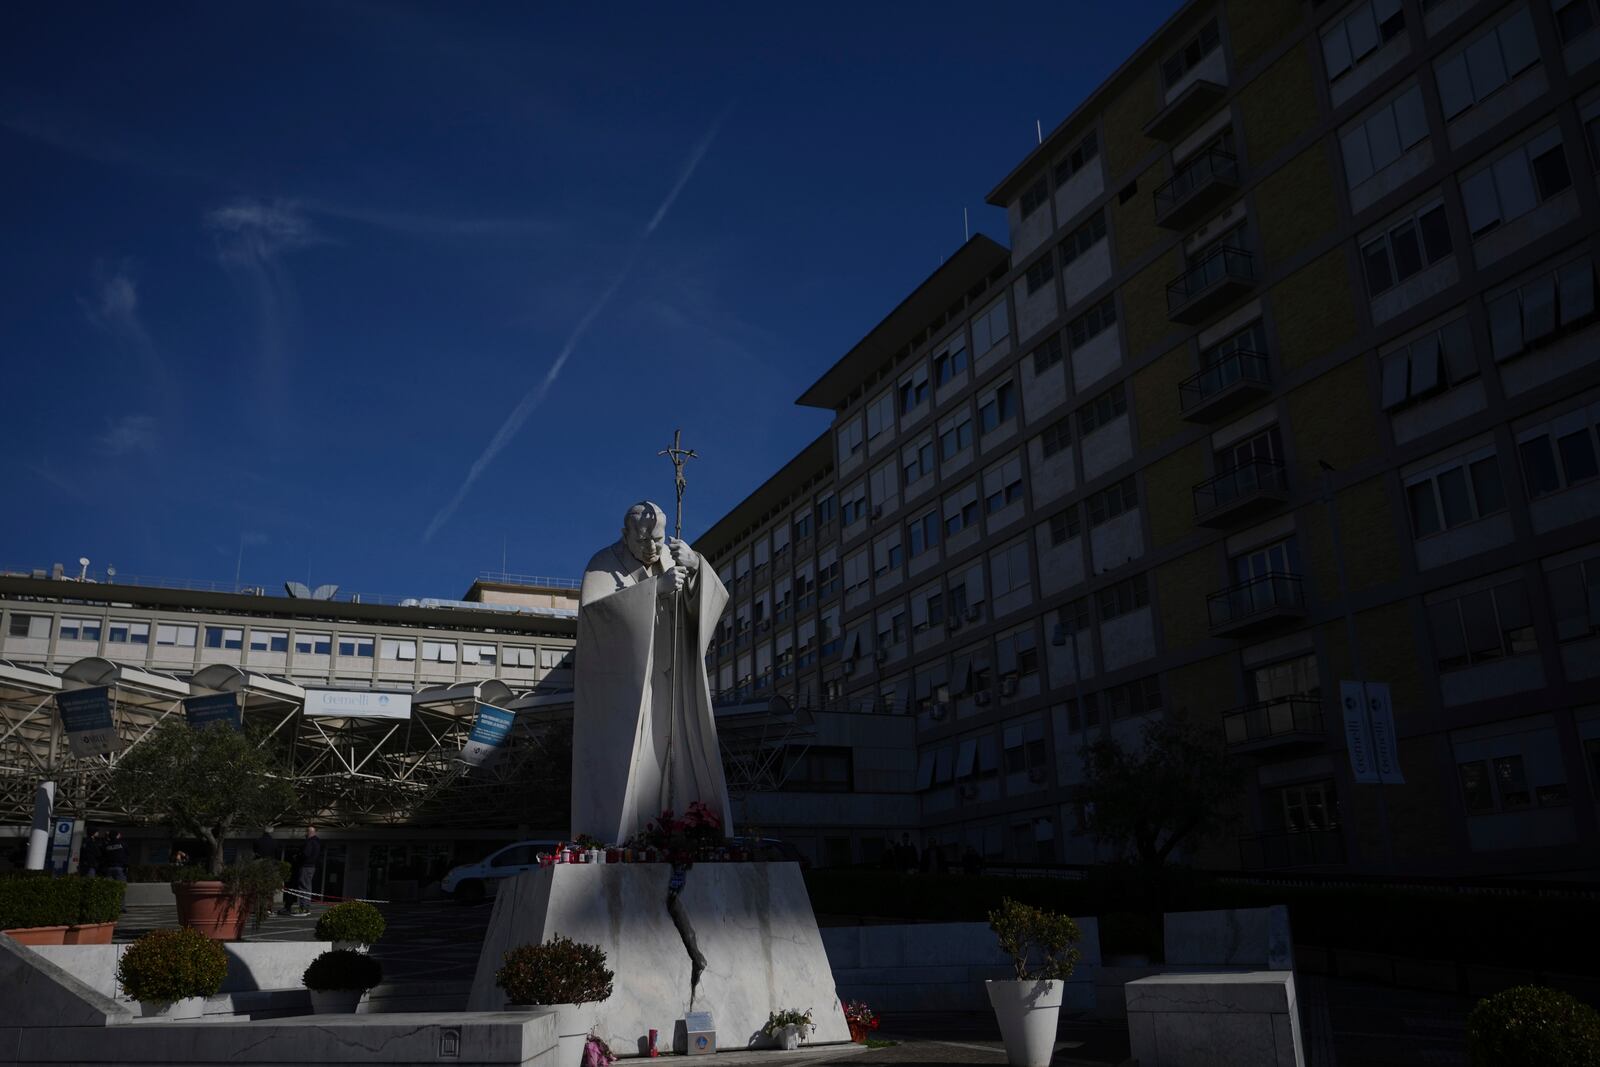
(680, 920)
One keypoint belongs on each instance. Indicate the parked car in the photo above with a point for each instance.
(471, 882)
(771, 848)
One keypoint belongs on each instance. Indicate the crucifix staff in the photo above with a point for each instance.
(679, 456)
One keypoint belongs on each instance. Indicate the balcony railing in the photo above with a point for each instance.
(1235, 378)
(1256, 603)
(1185, 109)
(1253, 486)
(1283, 848)
(1217, 277)
(1200, 184)
(1282, 721)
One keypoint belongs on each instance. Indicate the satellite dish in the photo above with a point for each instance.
(298, 590)
(324, 592)
(111, 572)
(83, 562)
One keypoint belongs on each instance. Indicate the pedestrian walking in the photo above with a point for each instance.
(306, 872)
(89, 854)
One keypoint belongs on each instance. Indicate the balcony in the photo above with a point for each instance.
(1277, 723)
(1252, 487)
(1184, 110)
(1304, 848)
(1230, 382)
(1216, 278)
(1200, 185)
(1256, 604)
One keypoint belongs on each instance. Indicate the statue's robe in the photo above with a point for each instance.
(636, 751)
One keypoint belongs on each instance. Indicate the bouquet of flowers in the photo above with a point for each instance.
(860, 1018)
(800, 1020)
(681, 837)
(596, 1053)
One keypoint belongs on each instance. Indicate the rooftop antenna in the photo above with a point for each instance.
(1038, 131)
(966, 227)
(83, 568)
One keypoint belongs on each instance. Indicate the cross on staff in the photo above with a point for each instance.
(679, 455)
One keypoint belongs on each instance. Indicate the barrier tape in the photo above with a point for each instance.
(323, 898)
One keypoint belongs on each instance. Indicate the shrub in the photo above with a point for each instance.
(341, 968)
(1533, 1026)
(1022, 929)
(32, 898)
(168, 965)
(256, 881)
(560, 971)
(190, 873)
(352, 921)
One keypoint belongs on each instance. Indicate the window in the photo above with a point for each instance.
(1359, 34)
(1016, 656)
(955, 439)
(827, 509)
(1120, 598)
(856, 572)
(1469, 76)
(948, 364)
(887, 555)
(1009, 569)
(1073, 618)
(1024, 747)
(269, 641)
(1252, 339)
(1002, 485)
(1419, 240)
(1138, 697)
(1299, 809)
(1078, 158)
(224, 637)
(38, 627)
(917, 460)
(1085, 237)
(850, 437)
(1040, 273)
(307, 644)
(1481, 627)
(1541, 309)
(1064, 526)
(1501, 784)
(828, 572)
(1102, 409)
(1574, 18)
(552, 659)
(854, 507)
(1452, 496)
(880, 415)
(1557, 459)
(960, 510)
(83, 630)
(1034, 197)
(1516, 183)
(484, 655)
(913, 391)
(817, 769)
(355, 645)
(395, 649)
(997, 406)
(1047, 355)
(802, 527)
(1575, 598)
(990, 327)
(1057, 436)
(1185, 59)
(1438, 360)
(1112, 501)
(439, 651)
(883, 484)
(123, 631)
(924, 533)
(1094, 322)
(1286, 678)
(1384, 136)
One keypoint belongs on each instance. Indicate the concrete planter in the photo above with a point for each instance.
(204, 907)
(337, 1001)
(38, 935)
(788, 1038)
(172, 1011)
(571, 1032)
(1027, 1012)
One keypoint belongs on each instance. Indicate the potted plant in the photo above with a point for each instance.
(1028, 1006)
(339, 979)
(171, 972)
(219, 907)
(36, 909)
(1531, 1025)
(860, 1019)
(787, 1027)
(354, 925)
(561, 974)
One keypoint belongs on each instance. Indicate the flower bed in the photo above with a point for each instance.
(65, 911)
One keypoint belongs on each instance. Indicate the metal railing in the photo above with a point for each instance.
(1288, 848)
(1238, 366)
(1211, 165)
(1251, 476)
(1273, 591)
(1273, 718)
(1221, 262)
(530, 579)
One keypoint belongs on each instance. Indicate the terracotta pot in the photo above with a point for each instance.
(90, 934)
(204, 907)
(38, 935)
(858, 1033)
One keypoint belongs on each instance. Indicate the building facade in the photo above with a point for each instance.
(1289, 379)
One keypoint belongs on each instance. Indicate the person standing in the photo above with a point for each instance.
(114, 857)
(266, 848)
(89, 855)
(306, 871)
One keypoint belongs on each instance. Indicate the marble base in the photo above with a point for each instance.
(1240, 1019)
(752, 921)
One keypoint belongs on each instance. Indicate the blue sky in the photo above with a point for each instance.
(379, 292)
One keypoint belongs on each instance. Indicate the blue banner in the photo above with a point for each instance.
(489, 732)
(86, 718)
(214, 707)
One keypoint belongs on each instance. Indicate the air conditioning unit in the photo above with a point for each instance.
(982, 697)
(1008, 685)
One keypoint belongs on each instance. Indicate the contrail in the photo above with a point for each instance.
(535, 396)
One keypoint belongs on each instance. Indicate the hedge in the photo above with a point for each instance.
(27, 899)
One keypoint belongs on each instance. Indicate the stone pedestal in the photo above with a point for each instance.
(752, 921)
(1238, 1019)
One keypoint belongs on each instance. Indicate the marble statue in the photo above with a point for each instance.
(644, 738)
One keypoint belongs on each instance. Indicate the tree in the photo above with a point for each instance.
(1175, 787)
(203, 782)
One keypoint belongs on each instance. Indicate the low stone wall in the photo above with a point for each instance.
(252, 965)
(1242, 1017)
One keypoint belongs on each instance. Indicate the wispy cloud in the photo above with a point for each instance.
(115, 310)
(252, 231)
(449, 227)
(536, 396)
(129, 433)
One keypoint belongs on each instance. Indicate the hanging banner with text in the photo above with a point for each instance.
(1369, 732)
(86, 718)
(356, 704)
(214, 707)
(489, 732)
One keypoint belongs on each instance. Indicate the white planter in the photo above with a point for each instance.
(1027, 1013)
(337, 1001)
(172, 1011)
(789, 1038)
(572, 1033)
(350, 946)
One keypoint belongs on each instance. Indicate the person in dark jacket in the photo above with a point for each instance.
(114, 857)
(266, 848)
(306, 872)
(89, 854)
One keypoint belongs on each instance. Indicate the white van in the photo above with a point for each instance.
(471, 882)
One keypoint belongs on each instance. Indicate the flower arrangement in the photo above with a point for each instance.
(596, 1053)
(683, 836)
(342, 969)
(588, 843)
(860, 1019)
(354, 920)
(800, 1020)
(168, 965)
(559, 971)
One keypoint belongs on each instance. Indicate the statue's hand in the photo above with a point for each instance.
(684, 556)
(672, 581)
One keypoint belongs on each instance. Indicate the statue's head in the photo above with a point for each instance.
(644, 530)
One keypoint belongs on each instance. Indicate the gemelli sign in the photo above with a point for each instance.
(355, 704)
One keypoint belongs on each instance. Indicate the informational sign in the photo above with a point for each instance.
(489, 732)
(60, 857)
(86, 718)
(357, 704)
(1369, 732)
(214, 707)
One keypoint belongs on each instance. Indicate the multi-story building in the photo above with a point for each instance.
(1290, 378)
